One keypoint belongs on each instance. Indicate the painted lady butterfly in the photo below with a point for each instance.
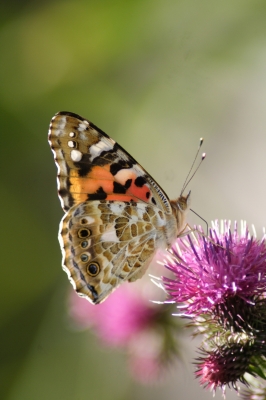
(116, 215)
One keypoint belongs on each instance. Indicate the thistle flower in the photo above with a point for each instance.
(220, 281)
(207, 271)
(224, 365)
(128, 320)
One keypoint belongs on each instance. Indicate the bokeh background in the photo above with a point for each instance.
(156, 75)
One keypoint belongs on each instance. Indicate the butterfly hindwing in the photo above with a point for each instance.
(105, 243)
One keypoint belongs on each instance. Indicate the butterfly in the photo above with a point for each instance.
(116, 214)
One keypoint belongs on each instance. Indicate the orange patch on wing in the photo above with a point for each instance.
(98, 177)
(90, 185)
(79, 197)
(98, 172)
(101, 177)
(140, 192)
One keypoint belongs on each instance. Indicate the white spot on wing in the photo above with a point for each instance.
(124, 174)
(72, 134)
(83, 136)
(90, 219)
(76, 155)
(116, 208)
(71, 143)
(102, 145)
(59, 132)
(62, 122)
(110, 235)
(83, 125)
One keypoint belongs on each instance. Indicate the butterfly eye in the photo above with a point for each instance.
(83, 233)
(84, 244)
(84, 257)
(93, 269)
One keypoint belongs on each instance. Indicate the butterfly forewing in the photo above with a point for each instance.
(92, 166)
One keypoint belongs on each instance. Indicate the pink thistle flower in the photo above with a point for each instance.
(223, 366)
(232, 363)
(207, 271)
(221, 282)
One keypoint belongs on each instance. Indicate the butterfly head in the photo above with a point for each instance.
(183, 202)
(180, 208)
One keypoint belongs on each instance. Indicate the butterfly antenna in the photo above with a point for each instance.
(202, 158)
(188, 178)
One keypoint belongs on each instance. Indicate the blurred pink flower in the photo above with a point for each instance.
(116, 320)
(129, 320)
(145, 354)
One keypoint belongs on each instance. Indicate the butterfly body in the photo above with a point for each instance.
(116, 217)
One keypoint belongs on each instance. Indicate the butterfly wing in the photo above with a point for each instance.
(116, 214)
(92, 166)
(105, 243)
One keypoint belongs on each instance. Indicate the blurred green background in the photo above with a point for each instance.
(156, 76)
